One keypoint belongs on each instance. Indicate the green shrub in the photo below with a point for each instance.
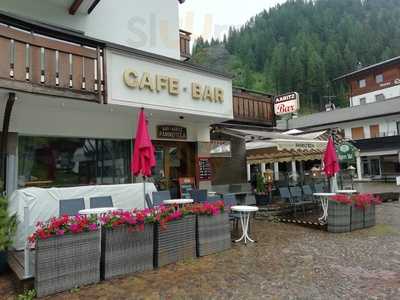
(8, 225)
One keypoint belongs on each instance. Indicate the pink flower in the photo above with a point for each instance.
(60, 232)
(93, 227)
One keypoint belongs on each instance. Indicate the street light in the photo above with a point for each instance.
(269, 178)
(352, 172)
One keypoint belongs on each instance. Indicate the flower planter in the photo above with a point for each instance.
(357, 218)
(213, 234)
(66, 262)
(261, 200)
(3, 261)
(369, 216)
(125, 251)
(176, 242)
(339, 217)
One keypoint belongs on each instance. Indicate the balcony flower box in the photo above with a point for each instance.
(127, 243)
(175, 241)
(67, 254)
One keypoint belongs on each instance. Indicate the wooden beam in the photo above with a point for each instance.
(4, 138)
(93, 6)
(75, 6)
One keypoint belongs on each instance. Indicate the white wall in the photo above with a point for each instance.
(151, 25)
(370, 97)
(387, 126)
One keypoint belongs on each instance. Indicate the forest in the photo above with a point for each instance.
(304, 45)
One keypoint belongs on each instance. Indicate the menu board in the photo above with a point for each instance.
(204, 169)
(186, 184)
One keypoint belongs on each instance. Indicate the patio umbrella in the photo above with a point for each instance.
(143, 158)
(331, 163)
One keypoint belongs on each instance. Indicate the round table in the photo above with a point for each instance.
(324, 197)
(97, 211)
(178, 201)
(349, 192)
(245, 212)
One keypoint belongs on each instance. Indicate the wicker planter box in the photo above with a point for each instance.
(213, 234)
(175, 243)
(357, 218)
(339, 217)
(370, 216)
(65, 262)
(125, 251)
(261, 200)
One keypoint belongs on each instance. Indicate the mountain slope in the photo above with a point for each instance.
(302, 45)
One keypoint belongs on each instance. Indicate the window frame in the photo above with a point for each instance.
(379, 76)
(364, 81)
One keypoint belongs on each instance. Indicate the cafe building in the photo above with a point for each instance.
(71, 89)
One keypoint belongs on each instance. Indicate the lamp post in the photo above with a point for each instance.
(352, 172)
(269, 178)
(315, 172)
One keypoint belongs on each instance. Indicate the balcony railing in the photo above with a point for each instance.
(248, 107)
(184, 39)
(44, 65)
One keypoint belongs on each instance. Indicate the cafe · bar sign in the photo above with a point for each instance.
(171, 132)
(286, 104)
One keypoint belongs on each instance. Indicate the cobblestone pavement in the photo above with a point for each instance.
(288, 262)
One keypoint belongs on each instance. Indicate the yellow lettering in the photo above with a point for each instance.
(146, 82)
(131, 78)
(208, 93)
(219, 95)
(173, 86)
(196, 91)
(161, 83)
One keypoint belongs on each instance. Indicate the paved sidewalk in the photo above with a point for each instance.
(289, 262)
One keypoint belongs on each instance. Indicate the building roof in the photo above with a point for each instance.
(323, 120)
(371, 67)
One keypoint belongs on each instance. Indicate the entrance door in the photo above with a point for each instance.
(174, 160)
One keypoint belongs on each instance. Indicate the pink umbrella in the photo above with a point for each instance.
(143, 153)
(331, 161)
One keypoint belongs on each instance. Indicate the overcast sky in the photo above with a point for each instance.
(213, 17)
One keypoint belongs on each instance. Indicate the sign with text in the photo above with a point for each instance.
(204, 169)
(171, 132)
(286, 104)
(346, 152)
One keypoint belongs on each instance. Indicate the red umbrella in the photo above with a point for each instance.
(331, 161)
(143, 155)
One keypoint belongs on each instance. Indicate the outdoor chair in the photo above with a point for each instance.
(199, 195)
(229, 201)
(298, 199)
(319, 187)
(102, 201)
(148, 201)
(308, 193)
(159, 197)
(284, 193)
(71, 207)
(212, 199)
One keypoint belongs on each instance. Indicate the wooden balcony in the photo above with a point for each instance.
(253, 107)
(184, 38)
(40, 64)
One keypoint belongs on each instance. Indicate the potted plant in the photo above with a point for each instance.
(213, 232)
(8, 226)
(365, 204)
(127, 242)
(339, 214)
(261, 191)
(67, 254)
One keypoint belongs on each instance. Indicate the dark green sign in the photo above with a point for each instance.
(346, 152)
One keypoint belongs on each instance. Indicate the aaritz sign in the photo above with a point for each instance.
(286, 104)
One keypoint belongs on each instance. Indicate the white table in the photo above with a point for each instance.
(245, 212)
(97, 211)
(349, 192)
(324, 197)
(179, 202)
(212, 193)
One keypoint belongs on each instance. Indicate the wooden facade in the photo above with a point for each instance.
(252, 107)
(184, 43)
(39, 64)
(391, 77)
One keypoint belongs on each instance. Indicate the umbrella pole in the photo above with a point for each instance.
(144, 191)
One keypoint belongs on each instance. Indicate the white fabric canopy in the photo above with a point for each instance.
(43, 204)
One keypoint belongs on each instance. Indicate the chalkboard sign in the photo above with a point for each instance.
(186, 184)
(204, 169)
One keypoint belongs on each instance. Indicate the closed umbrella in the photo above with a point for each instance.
(331, 163)
(143, 159)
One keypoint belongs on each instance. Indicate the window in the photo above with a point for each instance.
(44, 161)
(363, 101)
(357, 133)
(371, 166)
(380, 97)
(374, 130)
(379, 78)
(390, 165)
(362, 83)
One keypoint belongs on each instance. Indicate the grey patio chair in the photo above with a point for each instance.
(308, 192)
(229, 201)
(101, 201)
(71, 207)
(284, 193)
(212, 199)
(148, 201)
(298, 199)
(199, 195)
(159, 197)
(319, 187)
